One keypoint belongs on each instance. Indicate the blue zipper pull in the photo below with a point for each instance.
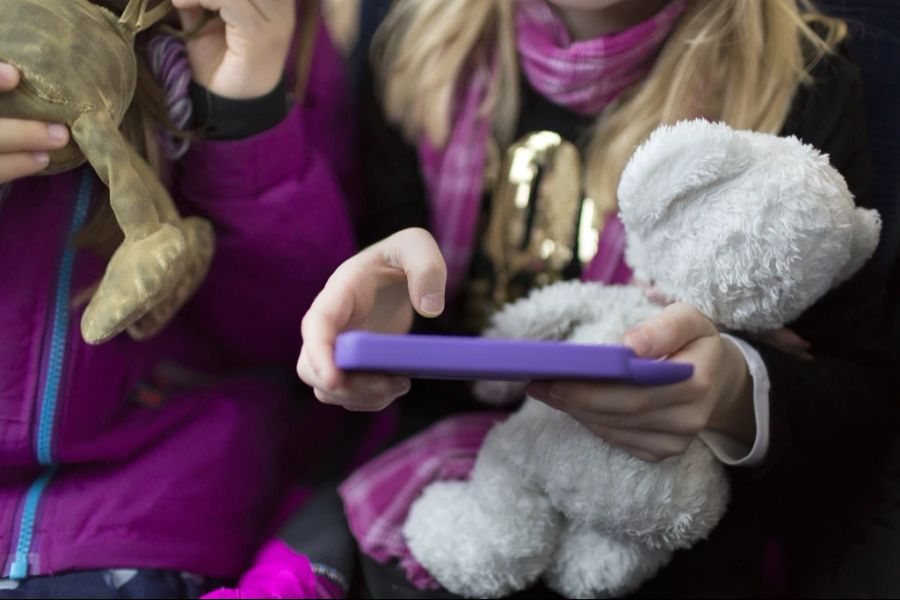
(19, 567)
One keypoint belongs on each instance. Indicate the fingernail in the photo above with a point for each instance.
(400, 385)
(637, 340)
(8, 73)
(41, 158)
(432, 303)
(57, 132)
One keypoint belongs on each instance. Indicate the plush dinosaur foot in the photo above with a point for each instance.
(138, 276)
(200, 244)
(589, 564)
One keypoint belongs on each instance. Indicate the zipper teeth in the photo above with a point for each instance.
(60, 328)
(19, 568)
(44, 442)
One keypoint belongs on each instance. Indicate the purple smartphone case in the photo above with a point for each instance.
(447, 357)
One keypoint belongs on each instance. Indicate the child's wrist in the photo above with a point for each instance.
(734, 414)
(224, 119)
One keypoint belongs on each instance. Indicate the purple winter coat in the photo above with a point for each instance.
(91, 474)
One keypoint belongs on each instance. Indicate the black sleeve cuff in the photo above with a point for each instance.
(219, 118)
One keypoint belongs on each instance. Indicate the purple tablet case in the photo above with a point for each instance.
(447, 357)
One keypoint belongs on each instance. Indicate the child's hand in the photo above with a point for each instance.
(241, 54)
(376, 290)
(656, 422)
(24, 145)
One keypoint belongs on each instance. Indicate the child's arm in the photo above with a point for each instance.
(282, 228)
(837, 409)
(841, 406)
(281, 221)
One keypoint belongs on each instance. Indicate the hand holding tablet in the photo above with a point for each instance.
(448, 357)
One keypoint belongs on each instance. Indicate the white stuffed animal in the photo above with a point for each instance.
(750, 228)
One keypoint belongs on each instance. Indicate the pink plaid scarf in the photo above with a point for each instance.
(583, 76)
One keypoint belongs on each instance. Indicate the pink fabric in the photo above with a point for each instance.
(587, 75)
(278, 572)
(377, 497)
(454, 178)
(609, 264)
(583, 76)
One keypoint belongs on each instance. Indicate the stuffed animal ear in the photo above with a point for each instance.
(756, 248)
(866, 234)
(675, 162)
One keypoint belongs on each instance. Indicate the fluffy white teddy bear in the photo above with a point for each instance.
(750, 228)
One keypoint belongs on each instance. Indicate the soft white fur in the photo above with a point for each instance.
(750, 228)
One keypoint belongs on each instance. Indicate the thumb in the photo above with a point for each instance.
(9, 77)
(674, 328)
(416, 253)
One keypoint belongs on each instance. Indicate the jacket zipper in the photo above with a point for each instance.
(50, 397)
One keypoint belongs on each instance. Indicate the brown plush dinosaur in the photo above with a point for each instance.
(79, 68)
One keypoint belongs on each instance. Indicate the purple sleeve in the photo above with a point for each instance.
(282, 228)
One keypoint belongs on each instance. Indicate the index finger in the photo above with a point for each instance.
(415, 252)
(327, 317)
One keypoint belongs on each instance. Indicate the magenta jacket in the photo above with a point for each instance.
(167, 454)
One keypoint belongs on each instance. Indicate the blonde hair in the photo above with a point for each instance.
(738, 61)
